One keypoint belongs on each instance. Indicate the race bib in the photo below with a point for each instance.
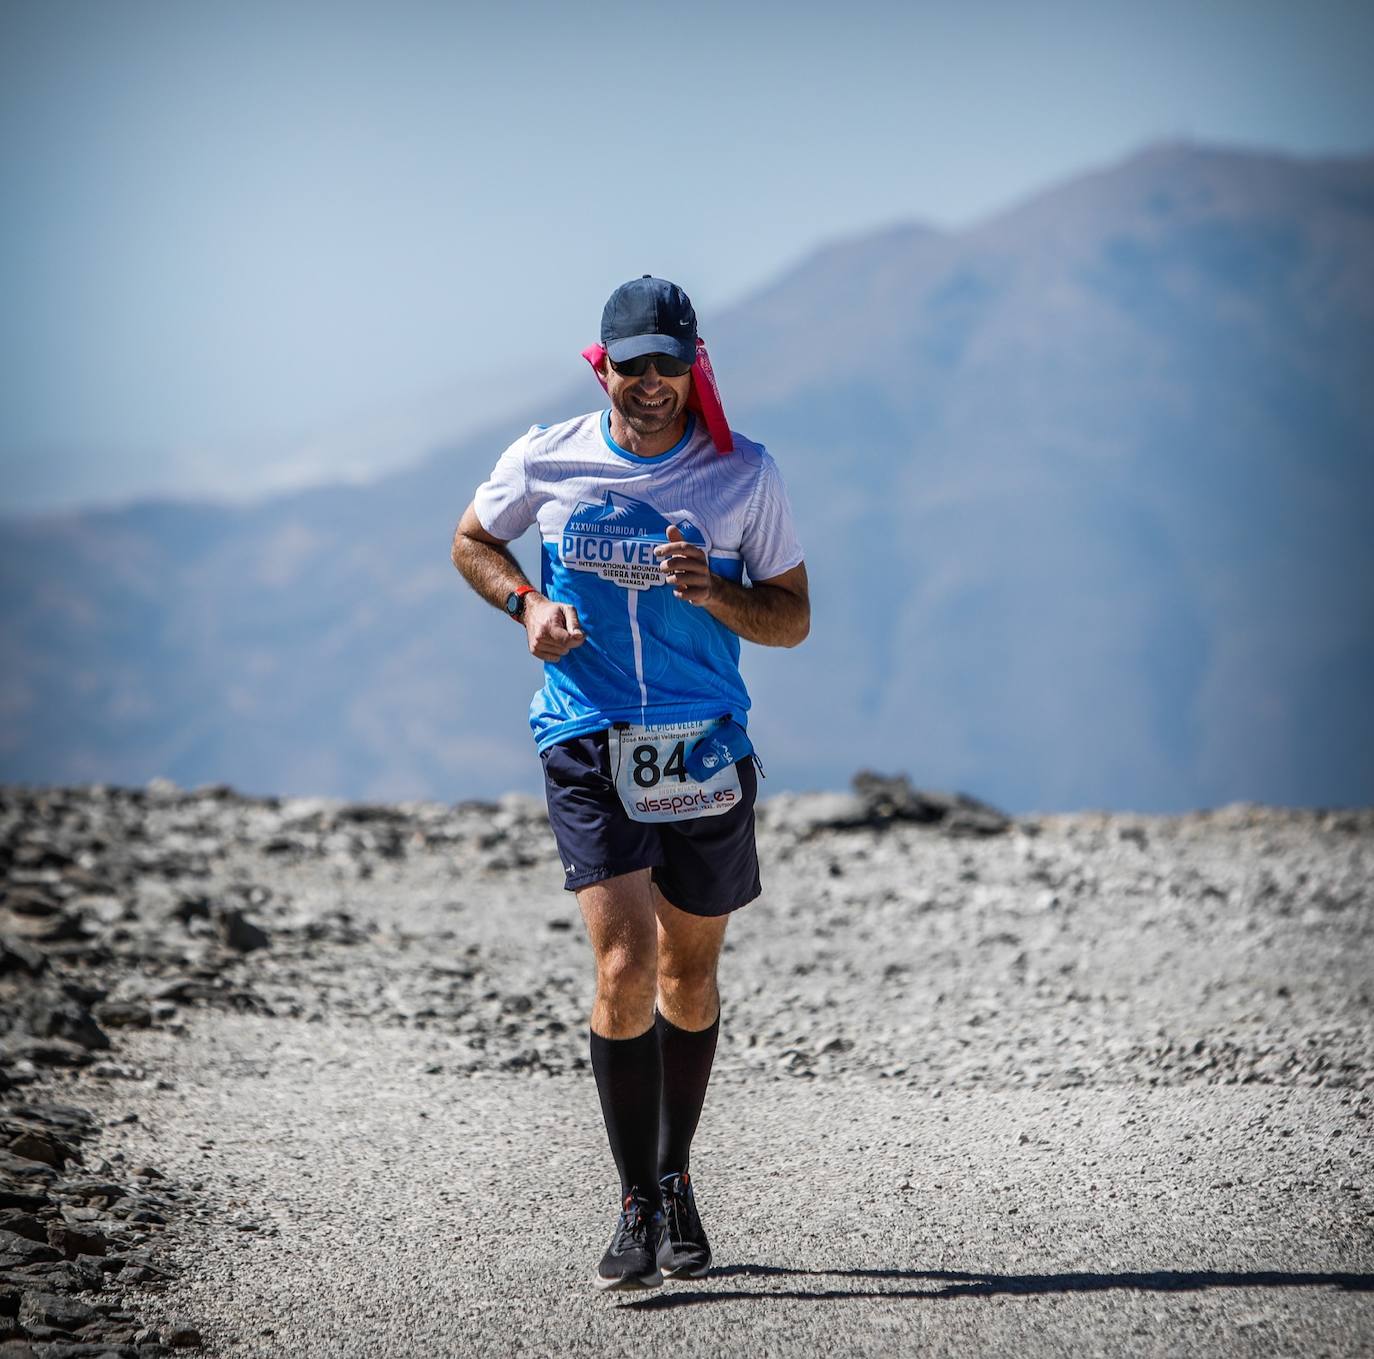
(653, 783)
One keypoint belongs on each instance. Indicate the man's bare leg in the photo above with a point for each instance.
(619, 915)
(688, 954)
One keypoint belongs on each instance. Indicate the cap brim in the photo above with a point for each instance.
(632, 348)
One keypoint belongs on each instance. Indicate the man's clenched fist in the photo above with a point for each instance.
(553, 629)
(686, 568)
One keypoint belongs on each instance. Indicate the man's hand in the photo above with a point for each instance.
(686, 567)
(553, 629)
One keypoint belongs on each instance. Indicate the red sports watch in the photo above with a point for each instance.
(515, 602)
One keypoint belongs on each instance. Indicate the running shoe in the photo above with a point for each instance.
(638, 1248)
(689, 1250)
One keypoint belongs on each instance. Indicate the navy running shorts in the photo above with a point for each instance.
(706, 866)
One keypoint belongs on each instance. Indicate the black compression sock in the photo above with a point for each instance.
(628, 1076)
(687, 1058)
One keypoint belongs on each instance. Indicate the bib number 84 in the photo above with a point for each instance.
(647, 772)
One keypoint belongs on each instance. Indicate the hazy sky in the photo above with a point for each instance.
(250, 244)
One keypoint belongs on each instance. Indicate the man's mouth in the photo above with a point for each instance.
(645, 403)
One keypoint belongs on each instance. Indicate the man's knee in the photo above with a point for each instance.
(625, 973)
(688, 992)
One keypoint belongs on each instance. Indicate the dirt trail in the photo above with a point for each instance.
(1093, 1085)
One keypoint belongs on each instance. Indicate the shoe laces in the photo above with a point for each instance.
(634, 1221)
(677, 1200)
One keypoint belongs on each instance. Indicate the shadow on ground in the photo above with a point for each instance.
(951, 1284)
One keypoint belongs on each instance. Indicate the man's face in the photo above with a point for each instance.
(647, 404)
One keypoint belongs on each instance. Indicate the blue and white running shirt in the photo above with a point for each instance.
(601, 510)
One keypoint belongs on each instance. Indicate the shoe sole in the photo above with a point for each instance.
(629, 1283)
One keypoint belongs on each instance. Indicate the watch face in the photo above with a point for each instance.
(513, 604)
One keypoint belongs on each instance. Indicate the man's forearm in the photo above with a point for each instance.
(489, 568)
(766, 614)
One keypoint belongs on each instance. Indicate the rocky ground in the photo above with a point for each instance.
(299, 1078)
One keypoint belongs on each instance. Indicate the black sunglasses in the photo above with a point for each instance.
(666, 365)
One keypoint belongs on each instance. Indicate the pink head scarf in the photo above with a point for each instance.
(704, 398)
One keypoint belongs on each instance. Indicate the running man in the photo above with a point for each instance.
(664, 539)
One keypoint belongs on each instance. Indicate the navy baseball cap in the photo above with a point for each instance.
(649, 316)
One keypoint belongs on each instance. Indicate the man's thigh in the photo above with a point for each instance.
(620, 918)
(688, 945)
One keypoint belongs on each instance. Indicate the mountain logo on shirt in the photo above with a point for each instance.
(616, 540)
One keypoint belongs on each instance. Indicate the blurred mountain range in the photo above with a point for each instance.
(1087, 494)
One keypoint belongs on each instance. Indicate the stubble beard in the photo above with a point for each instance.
(650, 422)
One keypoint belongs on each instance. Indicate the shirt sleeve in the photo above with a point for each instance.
(770, 544)
(502, 501)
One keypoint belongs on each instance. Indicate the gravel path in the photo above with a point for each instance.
(371, 1209)
(1092, 1086)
